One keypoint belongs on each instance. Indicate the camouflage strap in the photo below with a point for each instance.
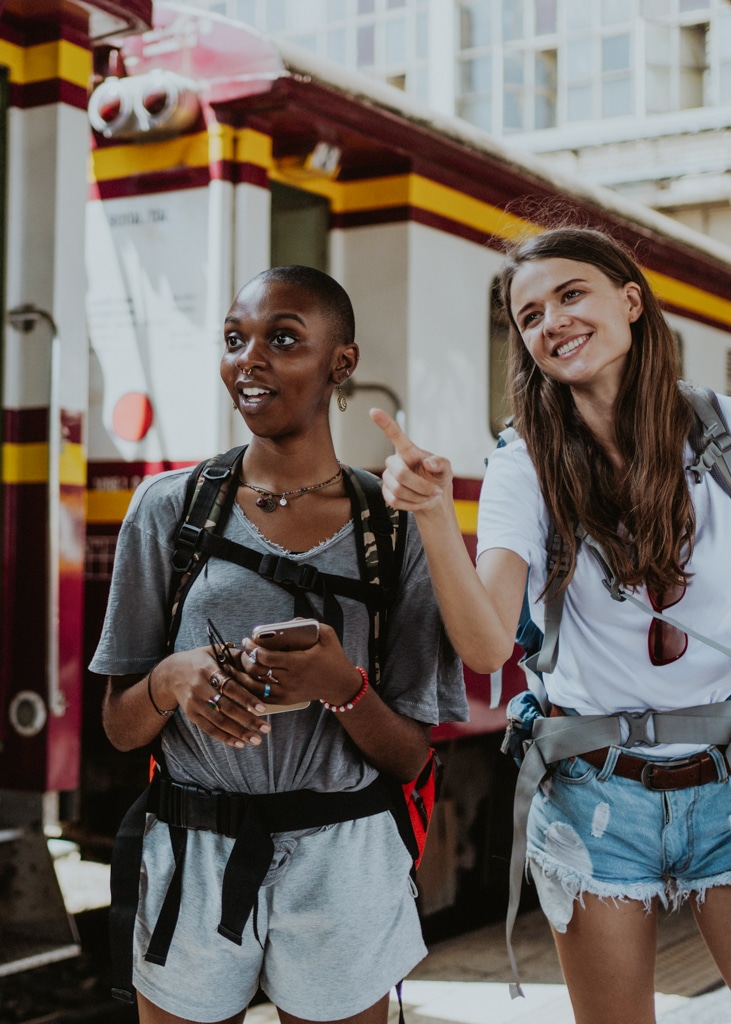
(382, 532)
(208, 501)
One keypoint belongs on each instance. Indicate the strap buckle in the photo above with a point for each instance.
(637, 723)
(648, 771)
(285, 571)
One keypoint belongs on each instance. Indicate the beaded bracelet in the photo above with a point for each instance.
(163, 714)
(349, 705)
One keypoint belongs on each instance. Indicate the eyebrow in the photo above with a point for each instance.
(274, 319)
(556, 290)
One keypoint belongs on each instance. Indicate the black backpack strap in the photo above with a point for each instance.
(380, 541)
(209, 498)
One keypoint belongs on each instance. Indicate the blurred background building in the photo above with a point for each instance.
(634, 95)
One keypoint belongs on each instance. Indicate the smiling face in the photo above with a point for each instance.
(282, 357)
(574, 321)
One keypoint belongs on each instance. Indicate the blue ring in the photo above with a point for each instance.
(267, 689)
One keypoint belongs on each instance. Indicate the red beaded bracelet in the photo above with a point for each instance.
(349, 705)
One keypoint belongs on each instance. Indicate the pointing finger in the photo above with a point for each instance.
(409, 452)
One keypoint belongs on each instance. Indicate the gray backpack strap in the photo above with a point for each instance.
(611, 582)
(554, 739)
(713, 442)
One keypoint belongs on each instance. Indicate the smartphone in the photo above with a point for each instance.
(294, 635)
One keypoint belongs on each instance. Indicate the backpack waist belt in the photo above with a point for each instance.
(556, 738)
(248, 819)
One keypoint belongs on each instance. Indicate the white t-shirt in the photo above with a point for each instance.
(603, 664)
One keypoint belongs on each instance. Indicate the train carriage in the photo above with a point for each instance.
(215, 154)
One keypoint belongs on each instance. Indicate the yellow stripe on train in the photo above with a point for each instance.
(28, 464)
(107, 506)
(46, 61)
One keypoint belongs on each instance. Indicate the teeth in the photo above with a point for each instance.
(253, 392)
(562, 350)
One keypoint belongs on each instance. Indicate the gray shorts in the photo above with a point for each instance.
(334, 928)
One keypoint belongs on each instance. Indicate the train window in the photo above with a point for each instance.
(498, 399)
(300, 226)
(100, 552)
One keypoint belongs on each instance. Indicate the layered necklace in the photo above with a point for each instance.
(268, 500)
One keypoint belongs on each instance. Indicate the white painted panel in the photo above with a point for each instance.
(150, 323)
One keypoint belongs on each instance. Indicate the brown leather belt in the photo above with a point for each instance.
(663, 775)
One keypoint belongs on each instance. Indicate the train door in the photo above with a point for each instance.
(300, 222)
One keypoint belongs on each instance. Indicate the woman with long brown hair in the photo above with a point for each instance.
(601, 457)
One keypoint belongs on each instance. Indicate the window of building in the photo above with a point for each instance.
(693, 65)
(615, 11)
(276, 15)
(512, 12)
(395, 29)
(545, 17)
(475, 25)
(616, 76)
(337, 45)
(659, 63)
(366, 6)
(694, 5)
(513, 90)
(366, 45)
(246, 11)
(578, 14)
(544, 92)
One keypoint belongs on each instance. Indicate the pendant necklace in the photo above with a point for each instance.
(268, 500)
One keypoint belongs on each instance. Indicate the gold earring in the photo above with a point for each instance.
(342, 400)
(236, 408)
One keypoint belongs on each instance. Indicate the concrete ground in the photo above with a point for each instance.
(464, 980)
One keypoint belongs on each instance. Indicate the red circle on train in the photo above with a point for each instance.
(132, 416)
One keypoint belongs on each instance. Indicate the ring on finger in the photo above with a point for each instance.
(216, 681)
(214, 702)
(252, 655)
(267, 689)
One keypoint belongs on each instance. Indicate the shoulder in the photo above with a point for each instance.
(158, 497)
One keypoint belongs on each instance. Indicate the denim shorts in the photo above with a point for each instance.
(590, 831)
(335, 925)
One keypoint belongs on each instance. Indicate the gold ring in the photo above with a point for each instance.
(215, 681)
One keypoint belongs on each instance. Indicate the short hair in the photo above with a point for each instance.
(333, 298)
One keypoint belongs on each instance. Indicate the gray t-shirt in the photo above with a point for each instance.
(306, 749)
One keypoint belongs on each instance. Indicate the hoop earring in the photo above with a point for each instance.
(342, 400)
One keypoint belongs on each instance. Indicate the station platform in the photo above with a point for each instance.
(464, 980)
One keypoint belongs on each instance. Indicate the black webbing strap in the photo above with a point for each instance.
(250, 820)
(124, 886)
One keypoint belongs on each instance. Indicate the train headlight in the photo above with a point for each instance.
(144, 107)
(111, 109)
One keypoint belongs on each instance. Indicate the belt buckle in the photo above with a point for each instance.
(668, 766)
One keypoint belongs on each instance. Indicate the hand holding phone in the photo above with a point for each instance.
(293, 635)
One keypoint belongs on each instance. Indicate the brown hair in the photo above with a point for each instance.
(651, 502)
